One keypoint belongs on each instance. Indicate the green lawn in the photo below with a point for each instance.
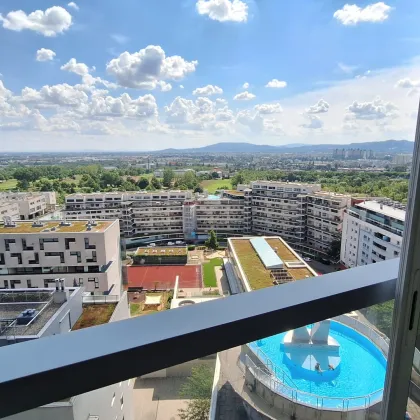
(215, 184)
(208, 272)
(10, 184)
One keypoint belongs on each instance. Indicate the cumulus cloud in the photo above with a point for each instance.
(375, 110)
(73, 66)
(45, 54)
(73, 5)
(320, 107)
(351, 14)
(146, 67)
(273, 108)
(223, 10)
(244, 96)
(253, 121)
(208, 90)
(221, 101)
(53, 21)
(346, 68)
(245, 85)
(314, 122)
(276, 84)
(407, 83)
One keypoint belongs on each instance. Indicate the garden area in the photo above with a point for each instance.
(93, 315)
(213, 185)
(209, 274)
(142, 303)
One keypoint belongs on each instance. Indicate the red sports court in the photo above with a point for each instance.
(163, 277)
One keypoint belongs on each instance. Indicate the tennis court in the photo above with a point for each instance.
(163, 277)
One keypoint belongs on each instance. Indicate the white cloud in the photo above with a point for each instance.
(53, 21)
(221, 101)
(346, 68)
(223, 10)
(254, 122)
(320, 107)
(245, 85)
(351, 14)
(208, 90)
(145, 68)
(407, 83)
(276, 84)
(73, 66)
(120, 38)
(45, 54)
(181, 86)
(375, 110)
(273, 108)
(244, 96)
(73, 5)
(314, 122)
(164, 87)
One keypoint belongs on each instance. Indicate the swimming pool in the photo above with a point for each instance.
(358, 381)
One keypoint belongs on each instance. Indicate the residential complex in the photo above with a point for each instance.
(372, 232)
(308, 219)
(83, 253)
(26, 206)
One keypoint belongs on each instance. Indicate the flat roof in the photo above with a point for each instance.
(157, 251)
(93, 315)
(13, 303)
(257, 274)
(266, 253)
(383, 209)
(54, 226)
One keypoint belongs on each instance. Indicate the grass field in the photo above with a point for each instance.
(94, 315)
(208, 272)
(215, 184)
(10, 184)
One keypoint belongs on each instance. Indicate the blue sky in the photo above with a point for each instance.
(96, 74)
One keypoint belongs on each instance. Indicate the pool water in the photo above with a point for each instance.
(361, 371)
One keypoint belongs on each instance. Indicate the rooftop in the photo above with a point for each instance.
(234, 192)
(257, 274)
(383, 209)
(94, 315)
(55, 226)
(13, 303)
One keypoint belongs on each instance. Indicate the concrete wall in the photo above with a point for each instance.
(56, 411)
(66, 316)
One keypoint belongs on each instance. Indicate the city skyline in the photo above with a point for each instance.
(205, 71)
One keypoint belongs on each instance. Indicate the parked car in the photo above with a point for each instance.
(179, 242)
(152, 244)
(307, 259)
(171, 243)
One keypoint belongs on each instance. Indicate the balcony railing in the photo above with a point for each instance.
(79, 362)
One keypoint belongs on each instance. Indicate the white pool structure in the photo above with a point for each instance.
(320, 371)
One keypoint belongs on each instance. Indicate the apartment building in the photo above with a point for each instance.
(141, 214)
(372, 232)
(57, 311)
(224, 214)
(83, 253)
(279, 208)
(325, 214)
(30, 205)
(9, 209)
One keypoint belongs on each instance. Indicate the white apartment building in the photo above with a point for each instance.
(279, 208)
(31, 205)
(372, 232)
(140, 213)
(84, 253)
(325, 214)
(9, 209)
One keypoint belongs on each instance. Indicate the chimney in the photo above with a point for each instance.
(62, 284)
(61, 294)
(57, 284)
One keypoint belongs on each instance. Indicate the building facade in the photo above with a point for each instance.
(372, 232)
(308, 219)
(34, 254)
(30, 205)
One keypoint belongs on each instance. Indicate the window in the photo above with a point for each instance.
(6, 284)
(68, 241)
(56, 254)
(25, 247)
(13, 283)
(80, 281)
(113, 400)
(29, 283)
(46, 240)
(122, 401)
(1, 258)
(47, 282)
(17, 255)
(35, 260)
(7, 243)
(78, 255)
(87, 245)
(93, 259)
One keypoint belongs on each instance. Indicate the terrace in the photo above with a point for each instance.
(93, 315)
(56, 227)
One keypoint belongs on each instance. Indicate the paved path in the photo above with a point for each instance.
(222, 282)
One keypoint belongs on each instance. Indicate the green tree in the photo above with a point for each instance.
(198, 189)
(212, 242)
(214, 175)
(197, 389)
(168, 177)
(155, 183)
(335, 248)
(22, 185)
(143, 183)
(238, 179)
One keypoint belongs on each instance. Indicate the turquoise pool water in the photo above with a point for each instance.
(361, 371)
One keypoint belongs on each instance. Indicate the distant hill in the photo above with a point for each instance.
(387, 146)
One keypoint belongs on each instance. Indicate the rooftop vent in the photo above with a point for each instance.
(8, 222)
(26, 316)
(65, 223)
(37, 223)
